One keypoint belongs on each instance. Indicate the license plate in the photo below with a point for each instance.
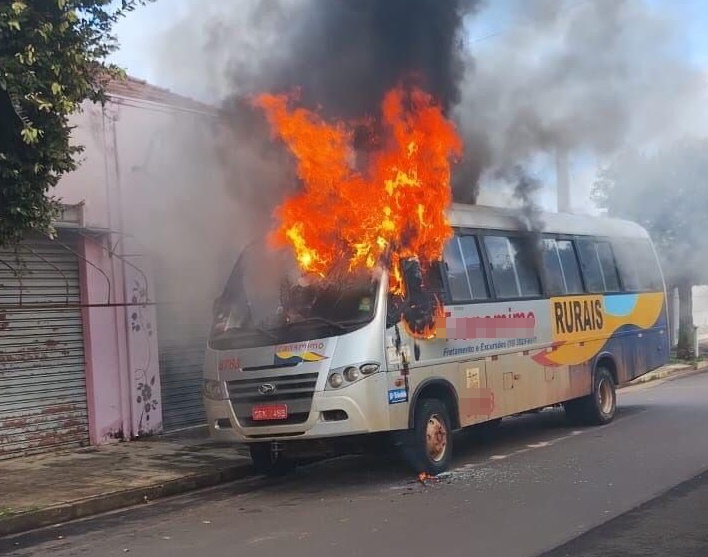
(270, 412)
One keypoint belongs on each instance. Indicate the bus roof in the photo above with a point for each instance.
(480, 216)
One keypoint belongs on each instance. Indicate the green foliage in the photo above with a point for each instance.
(667, 193)
(52, 58)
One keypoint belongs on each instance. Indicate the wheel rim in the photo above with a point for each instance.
(605, 398)
(436, 438)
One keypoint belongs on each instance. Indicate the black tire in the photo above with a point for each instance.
(600, 406)
(415, 450)
(266, 464)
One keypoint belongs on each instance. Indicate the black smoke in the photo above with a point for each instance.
(589, 78)
(346, 54)
(341, 57)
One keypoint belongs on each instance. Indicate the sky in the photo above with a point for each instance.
(136, 34)
(135, 29)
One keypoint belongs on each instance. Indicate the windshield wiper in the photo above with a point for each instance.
(319, 320)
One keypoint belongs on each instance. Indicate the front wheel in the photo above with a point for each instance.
(598, 408)
(429, 449)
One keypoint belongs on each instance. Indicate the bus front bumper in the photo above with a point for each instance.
(331, 415)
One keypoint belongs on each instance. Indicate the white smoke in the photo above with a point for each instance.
(587, 76)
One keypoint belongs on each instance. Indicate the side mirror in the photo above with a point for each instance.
(394, 311)
(412, 276)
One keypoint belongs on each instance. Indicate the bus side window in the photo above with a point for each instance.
(570, 266)
(590, 265)
(513, 275)
(608, 265)
(599, 266)
(465, 273)
(474, 270)
(627, 265)
(553, 269)
(638, 265)
(455, 269)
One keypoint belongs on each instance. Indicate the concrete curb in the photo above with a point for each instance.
(116, 500)
(666, 374)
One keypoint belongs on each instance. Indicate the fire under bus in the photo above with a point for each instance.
(524, 322)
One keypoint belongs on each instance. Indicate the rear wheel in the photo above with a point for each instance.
(429, 447)
(269, 462)
(600, 406)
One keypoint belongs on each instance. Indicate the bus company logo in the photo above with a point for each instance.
(512, 324)
(313, 345)
(230, 364)
(299, 352)
(576, 315)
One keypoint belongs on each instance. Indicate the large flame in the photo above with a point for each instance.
(358, 218)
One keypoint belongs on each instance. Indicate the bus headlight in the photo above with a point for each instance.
(214, 390)
(351, 374)
(368, 369)
(336, 380)
(348, 375)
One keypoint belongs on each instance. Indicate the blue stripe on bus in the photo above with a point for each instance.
(621, 305)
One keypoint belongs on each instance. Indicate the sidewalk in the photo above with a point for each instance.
(48, 489)
(669, 371)
(673, 370)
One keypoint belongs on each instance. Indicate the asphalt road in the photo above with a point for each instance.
(675, 524)
(534, 486)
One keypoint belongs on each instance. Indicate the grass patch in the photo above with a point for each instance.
(687, 361)
(6, 512)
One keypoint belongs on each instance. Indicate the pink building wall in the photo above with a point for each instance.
(143, 160)
(120, 345)
(103, 343)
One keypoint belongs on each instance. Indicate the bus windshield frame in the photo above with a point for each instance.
(268, 301)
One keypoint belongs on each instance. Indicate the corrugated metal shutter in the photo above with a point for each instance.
(42, 367)
(181, 349)
(185, 293)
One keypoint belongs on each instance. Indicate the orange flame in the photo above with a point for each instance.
(359, 219)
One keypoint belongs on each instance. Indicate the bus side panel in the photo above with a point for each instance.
(580, 380)
(638, 351)
(630, 328)
(521, 384)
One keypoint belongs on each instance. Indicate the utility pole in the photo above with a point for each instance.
(562, 181)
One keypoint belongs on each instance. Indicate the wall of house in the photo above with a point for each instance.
(154, 196)
(89, 184)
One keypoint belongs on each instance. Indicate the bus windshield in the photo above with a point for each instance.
(268, 301)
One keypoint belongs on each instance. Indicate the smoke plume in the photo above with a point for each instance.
(586, 77)
(347, 54)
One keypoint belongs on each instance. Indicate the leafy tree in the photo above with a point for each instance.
(52, 58)
(667, 193)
